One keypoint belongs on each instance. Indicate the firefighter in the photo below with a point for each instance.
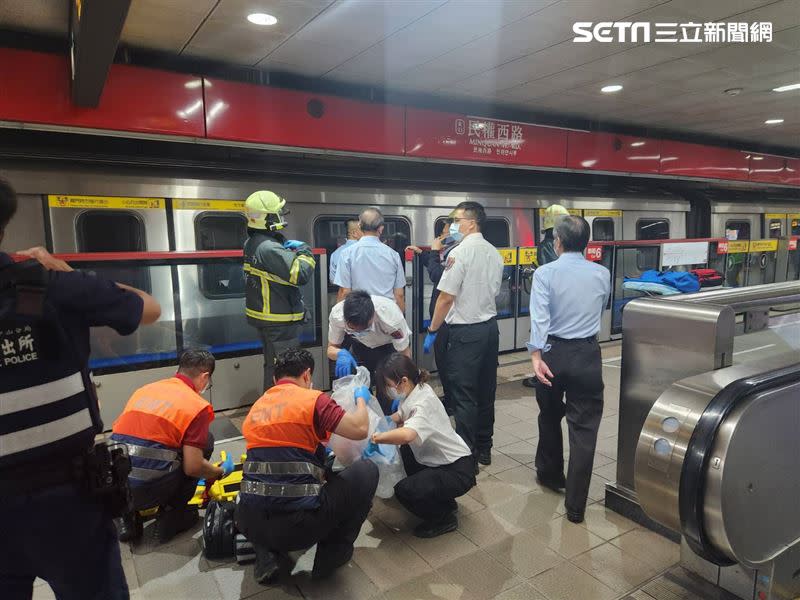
(276, 269)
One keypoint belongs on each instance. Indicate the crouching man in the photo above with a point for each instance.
(288, 501)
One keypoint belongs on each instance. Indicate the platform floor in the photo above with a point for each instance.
(513, 541)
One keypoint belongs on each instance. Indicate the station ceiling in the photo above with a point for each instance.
(516, 53)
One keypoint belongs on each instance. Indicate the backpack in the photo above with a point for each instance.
(219, 531)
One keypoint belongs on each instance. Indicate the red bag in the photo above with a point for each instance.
(708, 277)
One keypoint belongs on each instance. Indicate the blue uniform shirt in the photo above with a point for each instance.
(371, 266)
(567, 299)
(336, 256)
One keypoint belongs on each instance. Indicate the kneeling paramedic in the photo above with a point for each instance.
(275, 269)
(59, 491)
(439, 464)
(377, 328)
(288, 501)
(165, 427)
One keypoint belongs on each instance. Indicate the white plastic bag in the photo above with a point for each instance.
(387, 458)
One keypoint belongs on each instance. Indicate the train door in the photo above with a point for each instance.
(738, 230)
(761, 261)
(605, 225)
(793, 265)
(88, 224)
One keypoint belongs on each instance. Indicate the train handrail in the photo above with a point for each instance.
(149, 257)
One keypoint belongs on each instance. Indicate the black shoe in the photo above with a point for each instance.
(552, 483)
(430, 529)
(324, 568)
(574, 517)
(170, 523)
(485, 456)
(529, 382)
(129, 527)
(267, 567)
(477, 469)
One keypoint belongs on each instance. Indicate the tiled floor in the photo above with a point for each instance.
(513, 542)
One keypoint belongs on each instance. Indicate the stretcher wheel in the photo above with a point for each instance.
(245, 552)
(219, 531)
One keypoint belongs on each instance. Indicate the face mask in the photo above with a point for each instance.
(362, 333)
(395, 394)
(455, 233)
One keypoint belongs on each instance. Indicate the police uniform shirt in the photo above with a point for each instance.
(473, 273)
(389, 326)
(336, 256)
(437, 443)
(371, 266)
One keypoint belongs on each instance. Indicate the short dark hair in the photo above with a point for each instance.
(370, 219)
(397, 365)
(473, 210)
(195, 361)
(8, 203)
(358, 308)
(573, 232)
(293, 363)
(440, 224)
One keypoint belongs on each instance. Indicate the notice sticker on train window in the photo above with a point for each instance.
(200, 204)
(105, 202)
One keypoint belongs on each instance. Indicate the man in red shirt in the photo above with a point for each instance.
(166, 428)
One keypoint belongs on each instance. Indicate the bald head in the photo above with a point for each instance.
(572, 232)
(371, 221)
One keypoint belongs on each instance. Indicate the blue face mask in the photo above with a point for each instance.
(455, 233)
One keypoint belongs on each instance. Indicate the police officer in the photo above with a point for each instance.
(276, 268)
(376, 328)
(353, 235)
(165, 427)
(53, 479)
(471, 280)
(288, 501)
(370, 265)
(546, 252)
(567, 302)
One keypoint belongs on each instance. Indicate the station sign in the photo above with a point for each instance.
(527, 256)
(594, 253)
(509, 256)
(763, 245)
(220, 205)
(106, 202)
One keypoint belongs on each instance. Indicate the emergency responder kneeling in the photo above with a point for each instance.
(377, 328)
(288, 500)
(165, 427)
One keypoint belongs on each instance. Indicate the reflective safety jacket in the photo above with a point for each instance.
(48, 407)
(153, 426)
(274, 277)
(284, 470)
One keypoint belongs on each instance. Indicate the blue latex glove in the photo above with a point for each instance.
(429, 340)
(345, 363)
(201, 482)
(362, 392)
(395, 406)
(293, 244)
(371, 449)
(227, 466)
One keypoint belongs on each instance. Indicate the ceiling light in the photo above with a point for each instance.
(758, 158)
(773, 121)
(262, 19)
(610, 89)
(787, 88)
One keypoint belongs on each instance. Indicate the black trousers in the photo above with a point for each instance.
(275, 340)
(578, 374)
(430, 492)
(371, 358)
(173, 490)
(440, 354)
(471, 365)
(345, 501)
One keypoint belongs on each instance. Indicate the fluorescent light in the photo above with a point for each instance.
(609, 89)
(636, 144)
(262, 19)
(787, 88)
(758, 158)
(773, 121)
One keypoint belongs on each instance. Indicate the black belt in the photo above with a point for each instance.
(458, 325)
(554, 338)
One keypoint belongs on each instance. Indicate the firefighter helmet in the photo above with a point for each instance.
(551, 213)
(264, 210)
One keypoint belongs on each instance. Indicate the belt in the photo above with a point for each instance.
(283, 468)
(278, 490)
(152, 453)
(554, 338)
(457, 325)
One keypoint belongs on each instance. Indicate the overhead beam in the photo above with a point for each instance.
(94, 31)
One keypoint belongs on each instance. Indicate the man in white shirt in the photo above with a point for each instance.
(468, 287)
(376, 327)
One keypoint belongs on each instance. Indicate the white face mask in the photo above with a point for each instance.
(361, 333)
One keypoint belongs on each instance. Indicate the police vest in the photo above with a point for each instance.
(153, 425)
(48, 408)
(284, 470)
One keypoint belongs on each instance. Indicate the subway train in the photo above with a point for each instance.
(179, 238)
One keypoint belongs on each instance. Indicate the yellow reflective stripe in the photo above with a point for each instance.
(295, 272)
(274, 317)
(265, 314)
(265, 275)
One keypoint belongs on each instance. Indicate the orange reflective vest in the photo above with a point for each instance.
(283, 418)
(162, 412)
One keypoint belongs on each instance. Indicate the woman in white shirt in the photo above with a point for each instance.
(439, 465)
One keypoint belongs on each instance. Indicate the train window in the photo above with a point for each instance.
(652, 229)
(742, 229)
(495, 230)
(603, 229)
(775, 228)
(221, 231)
(114, 231)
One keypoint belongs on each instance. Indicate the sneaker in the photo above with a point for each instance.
(170, 523)
(325, 566)
(485, 456)
(430, 529)
(129, 527)
(267, 567)
(552, 483)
